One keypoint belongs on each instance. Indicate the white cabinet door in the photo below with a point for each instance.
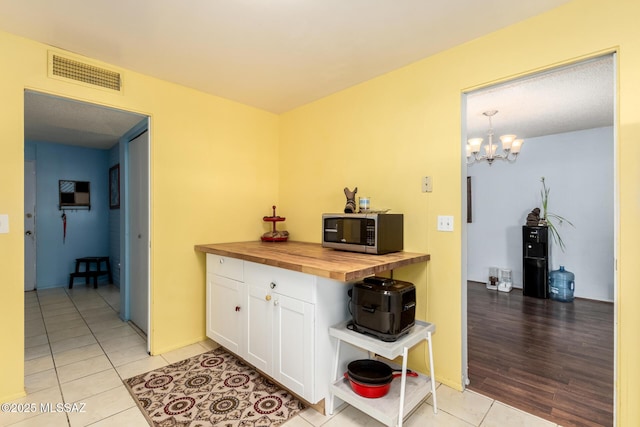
(225, 312)
(294, 363)
(259, 337)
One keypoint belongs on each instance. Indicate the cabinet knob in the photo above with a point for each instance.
(221, 260)
(268, 298)
(237, 308)
(276, 302)
(273, 285)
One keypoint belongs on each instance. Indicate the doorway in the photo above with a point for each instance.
(69, 139)
(504, 192)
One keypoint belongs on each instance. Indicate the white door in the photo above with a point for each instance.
(139, 238)
(29, 226)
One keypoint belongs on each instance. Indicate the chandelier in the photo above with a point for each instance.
(510, 146)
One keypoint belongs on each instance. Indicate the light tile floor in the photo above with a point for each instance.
(78, 351)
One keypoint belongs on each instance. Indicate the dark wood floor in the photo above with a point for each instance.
(548, 358)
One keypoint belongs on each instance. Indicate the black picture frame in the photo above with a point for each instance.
(114, 187)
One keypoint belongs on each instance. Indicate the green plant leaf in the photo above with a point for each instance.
(550, 217)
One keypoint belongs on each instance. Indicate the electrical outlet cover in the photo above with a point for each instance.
(4, 223)
(427, 184)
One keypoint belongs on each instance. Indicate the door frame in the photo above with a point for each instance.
(616, 215)
(145, 123)
(125, 250)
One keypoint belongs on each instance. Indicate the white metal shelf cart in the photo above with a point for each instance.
(402, 398)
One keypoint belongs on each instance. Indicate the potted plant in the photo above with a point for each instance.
(548, 218)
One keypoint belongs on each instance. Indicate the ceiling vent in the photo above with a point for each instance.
(83, 73)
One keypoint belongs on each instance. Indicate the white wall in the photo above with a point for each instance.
(578, 167)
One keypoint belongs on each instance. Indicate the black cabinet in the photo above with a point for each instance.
(535, 262)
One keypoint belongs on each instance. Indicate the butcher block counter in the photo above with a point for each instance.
(312, 258)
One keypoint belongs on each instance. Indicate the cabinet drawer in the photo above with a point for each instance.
(225, 267)
(293, 284)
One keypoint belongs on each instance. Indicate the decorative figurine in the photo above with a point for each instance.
(533, 219)
(350, 207)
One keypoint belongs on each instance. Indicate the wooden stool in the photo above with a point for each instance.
(88, 273)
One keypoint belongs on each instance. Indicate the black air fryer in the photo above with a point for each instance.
(382, 307)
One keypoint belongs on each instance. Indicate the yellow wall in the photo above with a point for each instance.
(213, 163)
(383, 135)
(212, 180)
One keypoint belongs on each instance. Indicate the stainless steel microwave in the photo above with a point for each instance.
(371, 233)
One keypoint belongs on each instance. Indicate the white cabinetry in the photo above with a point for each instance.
(277, 320)
(280, 327)
(225, 302)
(259, 338)
(293, 344)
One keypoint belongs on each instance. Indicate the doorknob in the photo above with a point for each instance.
(28, 233)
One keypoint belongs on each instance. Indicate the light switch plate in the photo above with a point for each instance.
(445, 223)
(427, 184)
(4, 223)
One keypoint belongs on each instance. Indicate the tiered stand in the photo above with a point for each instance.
(274, 220)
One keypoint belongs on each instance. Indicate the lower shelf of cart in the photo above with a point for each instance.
(387, 408)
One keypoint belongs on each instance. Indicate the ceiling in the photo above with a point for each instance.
(272, 54)
(63, 121)
(279, 54)
(571, 98)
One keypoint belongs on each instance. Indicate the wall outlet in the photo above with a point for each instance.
(4, 223)
(427, 184)
(445, 223)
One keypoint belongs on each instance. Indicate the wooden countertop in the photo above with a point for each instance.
(312, 258)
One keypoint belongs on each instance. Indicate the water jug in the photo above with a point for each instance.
(561, 285)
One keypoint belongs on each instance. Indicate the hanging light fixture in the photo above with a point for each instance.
(510, 146)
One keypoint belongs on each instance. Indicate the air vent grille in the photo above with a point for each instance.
(85, 73)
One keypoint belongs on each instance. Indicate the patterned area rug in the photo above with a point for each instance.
(212, 389)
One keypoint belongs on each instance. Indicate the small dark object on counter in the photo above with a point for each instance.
(533, 219)
(350, 207)
(276, 234)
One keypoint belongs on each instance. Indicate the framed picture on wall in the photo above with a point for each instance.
(114, 187)
(469, 210)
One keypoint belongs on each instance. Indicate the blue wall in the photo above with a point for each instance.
(87, 230)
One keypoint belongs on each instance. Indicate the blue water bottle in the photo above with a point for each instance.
(561, 285)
